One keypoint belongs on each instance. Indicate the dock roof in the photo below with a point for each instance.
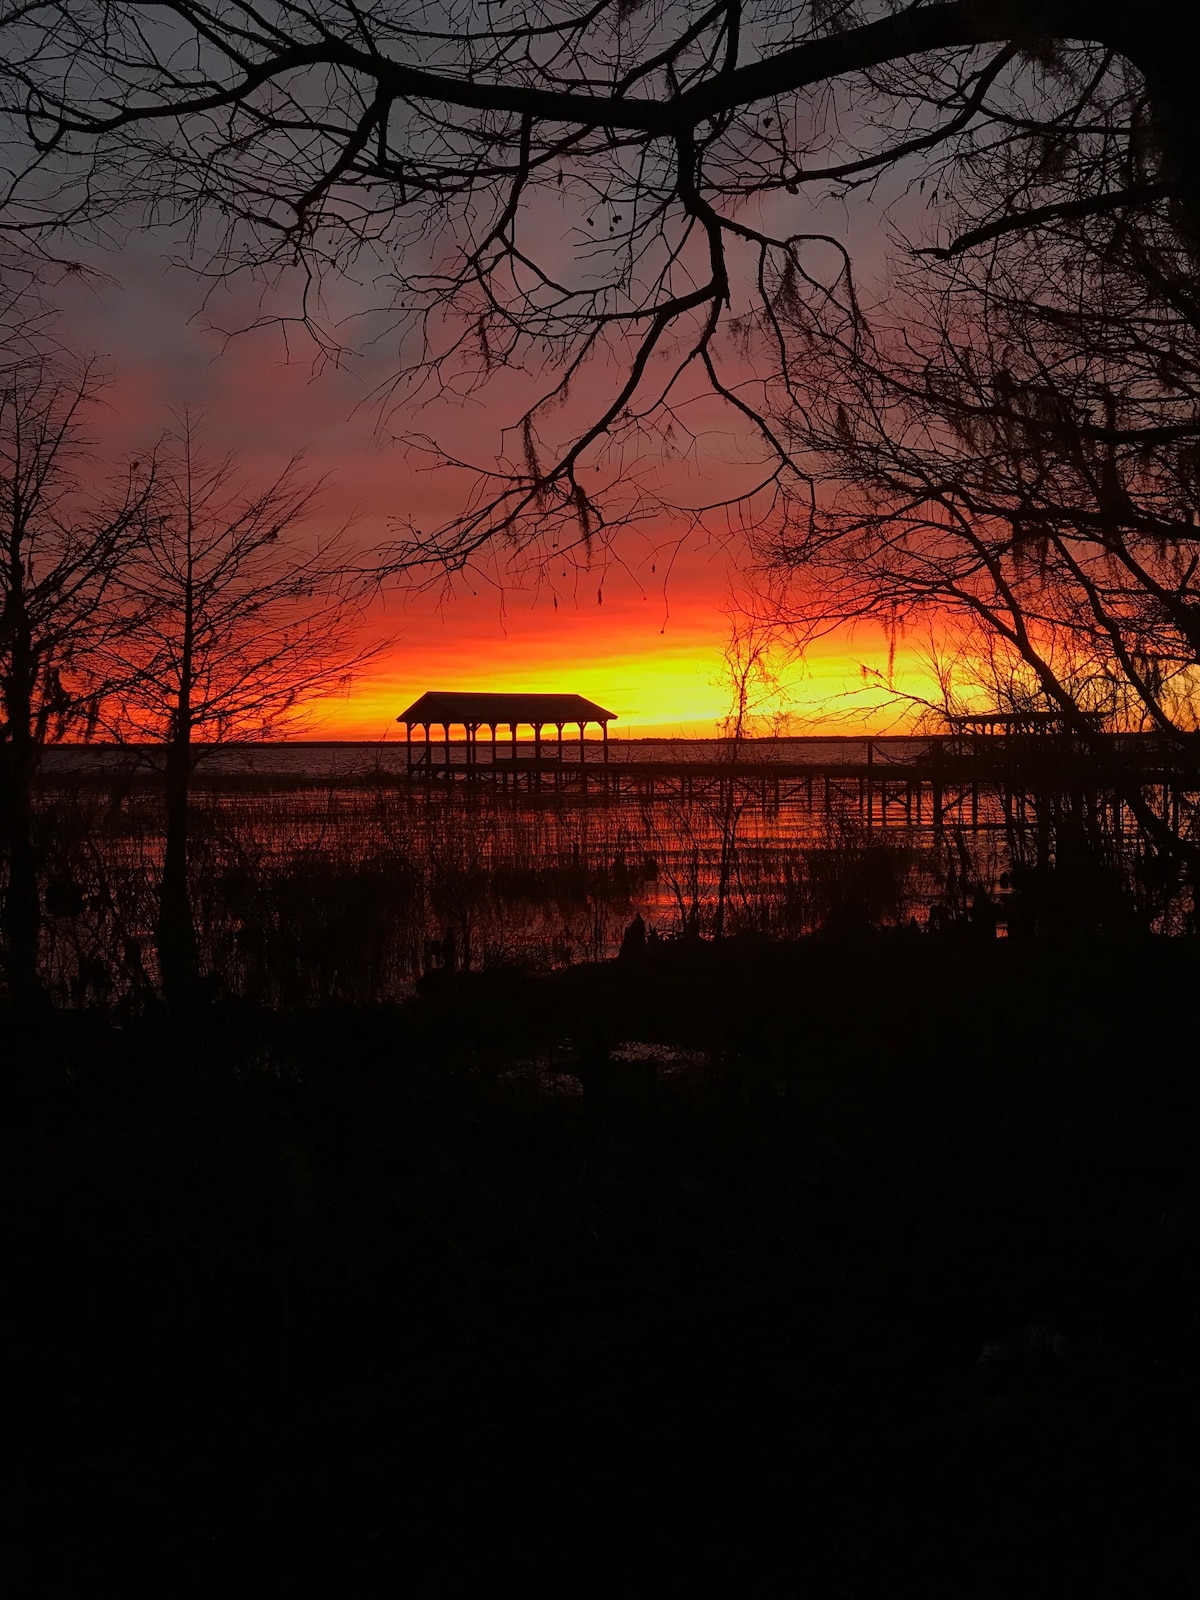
(467, 706)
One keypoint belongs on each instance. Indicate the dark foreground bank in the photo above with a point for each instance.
(867, 1268)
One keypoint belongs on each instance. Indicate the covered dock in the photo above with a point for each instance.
(475, 711)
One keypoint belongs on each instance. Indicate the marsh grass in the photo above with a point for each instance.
(349, 891)
(305, 895)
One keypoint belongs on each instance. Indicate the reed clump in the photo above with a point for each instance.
(306, 894)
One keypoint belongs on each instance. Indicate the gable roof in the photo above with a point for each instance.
(467, 706)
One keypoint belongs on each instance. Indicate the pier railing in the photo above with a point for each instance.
(963, 779)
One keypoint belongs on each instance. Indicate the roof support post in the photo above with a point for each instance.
(604, 725)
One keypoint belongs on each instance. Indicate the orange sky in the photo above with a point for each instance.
(656, 678)
(652, 654)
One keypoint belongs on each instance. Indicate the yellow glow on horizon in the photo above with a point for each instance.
(682, 688)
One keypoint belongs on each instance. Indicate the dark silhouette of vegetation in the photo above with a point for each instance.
(424, 152)
(1007, 445)
(822, 1240)
(864, 1267)
(63, 540)
(234, 622)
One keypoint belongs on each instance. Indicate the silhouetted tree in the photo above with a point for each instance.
(607, 188)
(433, 154)
(753, 657)
(236, 622)
(62, 542)
(1013, 445)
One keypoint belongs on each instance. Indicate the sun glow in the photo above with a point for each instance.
(674, 686)
(643, 632)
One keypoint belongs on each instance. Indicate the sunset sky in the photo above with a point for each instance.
(642, 633)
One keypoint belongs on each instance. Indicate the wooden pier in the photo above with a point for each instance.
(976, 784)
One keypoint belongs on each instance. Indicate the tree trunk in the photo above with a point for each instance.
(22, 911)
(177, 954)
(1171, 85)
(176, 931)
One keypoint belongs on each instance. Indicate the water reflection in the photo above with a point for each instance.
(310, 888)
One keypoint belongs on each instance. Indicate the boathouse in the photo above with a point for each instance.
(474, 712)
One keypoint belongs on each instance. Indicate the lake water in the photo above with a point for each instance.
(325, 760)
(313, 882)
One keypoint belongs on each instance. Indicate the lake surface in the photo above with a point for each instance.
(333, 759)
(312, 883)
